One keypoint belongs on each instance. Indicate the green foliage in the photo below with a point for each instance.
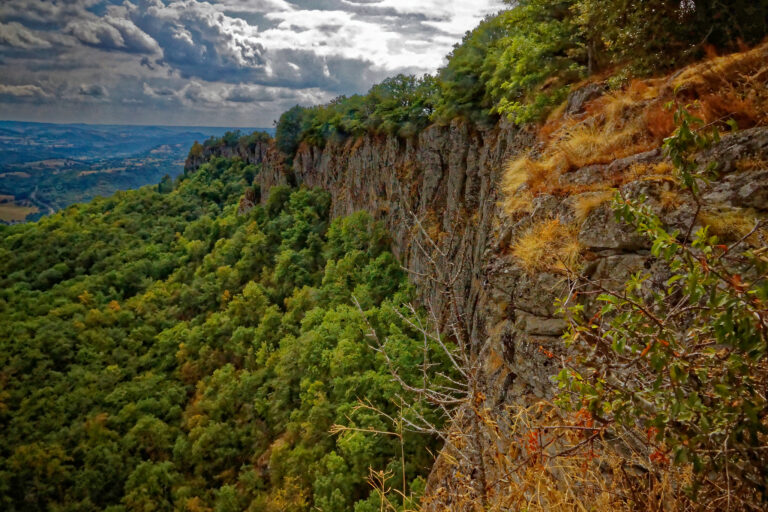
(288, 130)
(242, 144)
(401, 106)
(160, 352)
(463, 80)
(651, 35)
(166, 185)
(530, 68)
(522, 62)
(686, 358)
(518, 64)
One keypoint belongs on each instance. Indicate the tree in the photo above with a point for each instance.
(166, 185)
(288, 130)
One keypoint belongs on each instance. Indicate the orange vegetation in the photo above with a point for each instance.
(636, 119)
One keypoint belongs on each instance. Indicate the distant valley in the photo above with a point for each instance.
(46, 167)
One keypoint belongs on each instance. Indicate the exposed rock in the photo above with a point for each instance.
(746, 189)
(579, 98)
(735, 148)
(540, 325)
(601, 231)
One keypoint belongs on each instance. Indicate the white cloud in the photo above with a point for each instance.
(111, 33)
(23, 91)
(247, 59)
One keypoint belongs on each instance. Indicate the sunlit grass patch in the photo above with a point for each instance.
(548, 245)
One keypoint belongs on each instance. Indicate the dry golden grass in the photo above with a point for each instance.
(520, 202)
(751, 164)
(516, 198)
(670, 198)
(731, 224)
(636, 119)
(732, 86)
(585, 203)
(549, 245)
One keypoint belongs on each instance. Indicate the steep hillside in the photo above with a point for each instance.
(161, 352)
(502, 210)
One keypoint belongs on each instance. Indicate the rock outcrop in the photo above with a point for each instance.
(446, 183)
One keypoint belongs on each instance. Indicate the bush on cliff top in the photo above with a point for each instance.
(401, 105)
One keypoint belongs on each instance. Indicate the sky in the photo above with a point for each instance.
(212, 63)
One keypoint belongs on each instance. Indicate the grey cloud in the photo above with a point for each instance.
(147, 63)
(198, 94)
(223, 61)
(243, 94)
(111, 33)
(93, 90)
(26, 92)
(44, 13)
(158, 91)
(199, 41)
(16, 35)
(257, 94)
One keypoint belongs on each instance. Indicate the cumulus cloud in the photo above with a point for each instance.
(158, 92)
(44, 12)
(93, 91)
(111, 33)
(249, 94)
(244, 93)
(200, 41)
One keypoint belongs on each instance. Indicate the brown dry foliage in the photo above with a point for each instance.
(545, 461)
(636, 119)
(548, 245)
(633, 120)
(731, 224)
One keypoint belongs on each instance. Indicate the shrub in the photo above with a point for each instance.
(685, 359)
(530, 68)
(288, 130)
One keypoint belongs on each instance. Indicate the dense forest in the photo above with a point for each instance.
(160, 352)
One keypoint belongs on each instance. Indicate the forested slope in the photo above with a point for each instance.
(159, 352)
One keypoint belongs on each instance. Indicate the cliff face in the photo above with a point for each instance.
(444, 186)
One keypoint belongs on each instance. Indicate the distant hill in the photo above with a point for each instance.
(45, 167)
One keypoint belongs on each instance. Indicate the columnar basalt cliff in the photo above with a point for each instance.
(442, 183)
(444, 186)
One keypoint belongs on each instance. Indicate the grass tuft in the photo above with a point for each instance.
(731, 224)
(585, 203)
(548, 245)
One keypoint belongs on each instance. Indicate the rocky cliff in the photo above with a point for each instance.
(439, 195)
